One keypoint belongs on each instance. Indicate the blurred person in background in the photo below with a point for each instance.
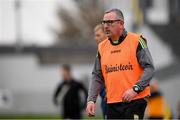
(68, 94)
(99, 36)
(178, 110)
(158, 107)
(125, 64)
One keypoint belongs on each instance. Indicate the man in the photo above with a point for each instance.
(68, 93)
(158, 107)
(99, 36)
(125, 64)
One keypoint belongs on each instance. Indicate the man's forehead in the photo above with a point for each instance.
(110, 16)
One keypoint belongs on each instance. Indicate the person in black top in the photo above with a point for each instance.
(68, 93)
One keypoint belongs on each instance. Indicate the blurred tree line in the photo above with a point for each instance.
(78, 29)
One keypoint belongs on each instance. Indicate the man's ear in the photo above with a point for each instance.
(121, 22)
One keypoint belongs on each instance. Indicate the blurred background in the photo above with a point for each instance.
(38, 36)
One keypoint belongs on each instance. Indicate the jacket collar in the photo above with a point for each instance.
(121, 38)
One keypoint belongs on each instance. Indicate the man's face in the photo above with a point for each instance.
(65, 74)
(99, 35)
(112, 26)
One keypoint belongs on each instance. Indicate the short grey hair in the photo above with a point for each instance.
(118, 13)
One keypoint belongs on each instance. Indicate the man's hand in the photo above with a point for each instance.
(90, 109)
(128, 95)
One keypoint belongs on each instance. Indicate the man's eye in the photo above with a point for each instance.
(109, 21)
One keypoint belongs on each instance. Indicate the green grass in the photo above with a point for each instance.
(48, 117)
(38, 117)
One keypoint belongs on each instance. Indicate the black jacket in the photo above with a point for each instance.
(70, 97)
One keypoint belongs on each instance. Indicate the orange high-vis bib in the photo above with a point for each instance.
(120, 67)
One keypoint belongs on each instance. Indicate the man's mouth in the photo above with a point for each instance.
(108, 31)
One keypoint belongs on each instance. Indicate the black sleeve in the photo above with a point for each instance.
(57, 92)
(84, 90)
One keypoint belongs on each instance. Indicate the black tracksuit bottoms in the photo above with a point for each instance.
(132, 110)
